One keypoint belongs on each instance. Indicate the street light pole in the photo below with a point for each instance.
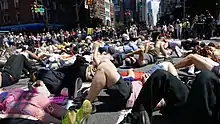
(77, 13)
(184, 9)
(46, 21)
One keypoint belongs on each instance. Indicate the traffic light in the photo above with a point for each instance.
(89, 2)
(35, 7)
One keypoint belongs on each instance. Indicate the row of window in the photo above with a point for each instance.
(7, 19)
(107, 14)
(107, 5)
(4, 4)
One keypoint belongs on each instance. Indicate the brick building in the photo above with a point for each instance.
(14, 12)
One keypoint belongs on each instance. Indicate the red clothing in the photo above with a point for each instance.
(137, 75)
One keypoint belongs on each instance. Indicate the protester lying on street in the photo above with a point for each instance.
(107, 76)
(133, 62)
(132, 75)
(11, 72)
(35, 102)
(183, 105)
(161, 47)
(66, 76)
(200, 62)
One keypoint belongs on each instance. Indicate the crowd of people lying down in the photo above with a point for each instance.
(59, 70)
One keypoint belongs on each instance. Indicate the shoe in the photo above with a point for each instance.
(178, 52)
(32, 77)
(191, 70)
(77, 86)
(138, 118)
(122, 115)
(78, 100)
(84, 112)
(78, 116)
(160, 105)
(144, 118)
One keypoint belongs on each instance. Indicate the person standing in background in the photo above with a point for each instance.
(178, 29)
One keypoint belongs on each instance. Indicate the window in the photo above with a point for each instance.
(40, 1)
(6, 19)
(54, 6)
(16, 3)
(5, 4)
(1, 5)
(33, 15)
(107, 5)
(18, 17)
(107, 14)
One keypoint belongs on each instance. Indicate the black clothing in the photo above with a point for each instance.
(121, 92)
(200, 104)
(216, 70)
(13, 68)
(63, 77)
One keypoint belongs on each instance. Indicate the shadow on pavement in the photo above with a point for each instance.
(109, 104)
(159, 119)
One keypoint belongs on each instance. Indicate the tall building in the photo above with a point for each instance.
(119, 10)
(112, 13)
(107, 18)
(172, 9)
(152, 12)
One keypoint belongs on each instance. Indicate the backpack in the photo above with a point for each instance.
(52, 79)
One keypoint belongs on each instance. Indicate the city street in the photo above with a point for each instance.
(46, 46)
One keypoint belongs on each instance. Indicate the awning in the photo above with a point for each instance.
(33, 26)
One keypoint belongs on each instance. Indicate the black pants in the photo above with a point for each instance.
(188, 106)
(14, 66)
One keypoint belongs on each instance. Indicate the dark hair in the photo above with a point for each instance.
(118, 60)
(202, 44)
(211, 44)
(194, 43)
(127, 62)
(111, 50)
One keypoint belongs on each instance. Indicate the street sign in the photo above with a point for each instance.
(40, 10)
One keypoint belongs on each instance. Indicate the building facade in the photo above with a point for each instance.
(152, 12)
(119, 10)
(13, 12)
(112, 13)
(107, 18)
(171, 9)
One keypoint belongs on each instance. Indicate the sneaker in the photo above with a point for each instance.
(32, 77)
(191, 70)
(160, 105)
(78, 116)
(78, 85)
(84, 112)
(140, 118)
(122, 115)
(178, 52)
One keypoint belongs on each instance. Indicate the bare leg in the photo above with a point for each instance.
(106, 75)
(146, 49)
(141, 60)
(34, 56)
(131, 73)
(98, 83)
(199, 62)
(170, 68)
(162, 50)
